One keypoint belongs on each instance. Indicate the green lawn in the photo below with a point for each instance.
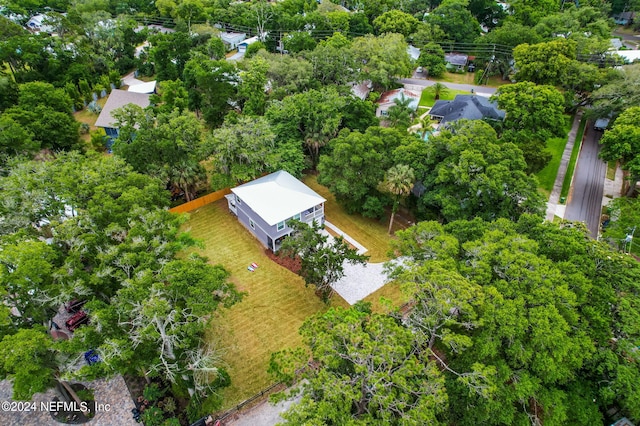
(555, 146)
(611, 170)
(427, 99)
(86, 116)
(566, 184)
(268, 318)
(469, 78)
(370, 233)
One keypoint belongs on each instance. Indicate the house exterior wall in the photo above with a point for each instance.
(265, 233)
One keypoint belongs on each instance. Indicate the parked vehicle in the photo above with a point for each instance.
(78, 319)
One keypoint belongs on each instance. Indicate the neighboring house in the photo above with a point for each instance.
(361, 90)
(265, 205)
(147, 87)
(616, 44)
(231, 40)
(624, 18)
(629, 56)
(242, 47)
(468, 107)
(456, 61)
(117, 99)
(413, 52)
(387, 100)
(37, 23)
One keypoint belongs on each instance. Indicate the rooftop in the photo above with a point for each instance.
(147, 87)
(456, 59)
(117, 99)
(277, 197)
(469, 107)
(390, 96)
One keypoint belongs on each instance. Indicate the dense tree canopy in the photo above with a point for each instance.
(534, 108)
(453, 17)
(384, 58)
(356, 163)
(468, 172)
(109, 241)
(622, 143)
(528, 322)
(369, 372)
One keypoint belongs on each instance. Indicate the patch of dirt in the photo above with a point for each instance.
(294, 265)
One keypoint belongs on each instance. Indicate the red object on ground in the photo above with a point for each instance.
(77, 320)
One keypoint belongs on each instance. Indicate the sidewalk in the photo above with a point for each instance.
(358, 281)
(613, 188)
(554, 208)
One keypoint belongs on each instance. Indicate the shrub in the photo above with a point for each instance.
(373, 208)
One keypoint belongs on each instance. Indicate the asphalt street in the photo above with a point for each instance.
(585, 198)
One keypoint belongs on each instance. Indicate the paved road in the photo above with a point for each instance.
(585, 199)
(629, 40)
(479, 90)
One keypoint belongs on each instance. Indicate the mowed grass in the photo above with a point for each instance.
(427, 99)
(469, 78)
(555, 146)
(568, 177)
(391, 292)
(371, 233)
(268, 318)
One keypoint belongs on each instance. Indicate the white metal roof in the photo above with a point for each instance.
(277, 197)
(148, 87)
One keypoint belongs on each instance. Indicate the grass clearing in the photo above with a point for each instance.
(469, 78)
(611, 170)
(555, 146)
(370, 233)
(547, 176)
(568, 177)
(427, 99)
(390, 291)
(86, 116)
(267, 319)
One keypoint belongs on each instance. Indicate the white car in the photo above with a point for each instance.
(419, 70)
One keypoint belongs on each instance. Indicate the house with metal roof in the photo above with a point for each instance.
(232, 40)
(146, 87)
(388, 99)
(456, 61)
(468, 107)
(117, 99)
(265, 205)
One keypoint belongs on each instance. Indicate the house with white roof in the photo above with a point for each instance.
(231, 40)
(148, 87)
(265, 205)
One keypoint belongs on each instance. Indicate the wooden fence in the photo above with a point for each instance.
(202, 201)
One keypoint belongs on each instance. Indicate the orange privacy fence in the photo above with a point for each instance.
(202, 201)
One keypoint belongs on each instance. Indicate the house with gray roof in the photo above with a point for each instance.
(117, 99)
(468, 107)
(455, 61)
(265, 205)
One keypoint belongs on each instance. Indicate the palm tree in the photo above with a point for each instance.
(398, 181)
(186, 175)
(439, 89)
(400, 114)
